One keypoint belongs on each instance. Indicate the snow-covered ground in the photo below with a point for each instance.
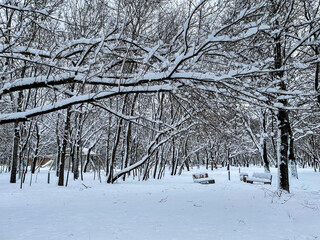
(172, 208)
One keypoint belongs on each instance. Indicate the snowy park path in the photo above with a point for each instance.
(172, 208)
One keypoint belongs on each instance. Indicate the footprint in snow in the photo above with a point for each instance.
(163, 200)
(196, 205)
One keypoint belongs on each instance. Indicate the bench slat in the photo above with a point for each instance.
(202, 178)
(261, 175)
(265, 178)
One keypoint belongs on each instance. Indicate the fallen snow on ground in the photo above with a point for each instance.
(170, 209)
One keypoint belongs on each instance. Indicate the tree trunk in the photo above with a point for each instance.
(283, 121)
(264, 147)
(16, 140)
(14, 162)
(64, 147)
(283, 158)
(292, 159)
(316, 79)
(172, 158)
(87, 161)
(128, 136)
(116, 143)
(77, 153)
(35, 158)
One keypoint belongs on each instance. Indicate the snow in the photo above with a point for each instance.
(279, 105)
(171, 208)
(81, 99)
(243, 173)
(252, 31)
(262, 175)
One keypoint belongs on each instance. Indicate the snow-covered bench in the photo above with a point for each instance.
(243, 176)
(265, 178)
(202, 178)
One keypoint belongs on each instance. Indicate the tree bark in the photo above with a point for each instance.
(265, 154)
(77, 153)
(316, 79)
(116, 143)
(283, 123)
(64, 147)
(128, 136)
(283, 158)
(34, 162)
(14, 162)
(16, 141)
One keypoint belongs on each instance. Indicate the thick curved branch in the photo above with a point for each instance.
(91, 97)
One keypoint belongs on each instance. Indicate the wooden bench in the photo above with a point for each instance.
(202, 178)
(265, 178)
(243, 176)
